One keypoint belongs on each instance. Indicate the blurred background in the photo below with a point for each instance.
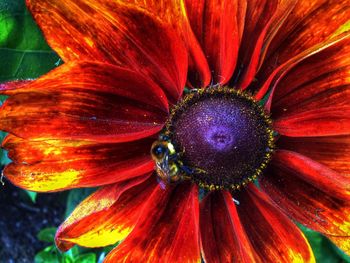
(28, 220)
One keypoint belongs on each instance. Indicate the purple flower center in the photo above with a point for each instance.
(222, 133)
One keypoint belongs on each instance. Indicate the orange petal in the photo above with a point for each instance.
(310, 23)
(115, 32)
(217, 33)
(107, 216)
(333, 151)
(43, 165)
(167, 230)
(273, 236)
(309, 192)
(222, 235)
(85, 101)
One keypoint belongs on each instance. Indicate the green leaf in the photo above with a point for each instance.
(48, 255)
(32, 195)
(67, 259)
(324, 250)
(24, 53)
(47, 234)
(72, 253)
(86, 258)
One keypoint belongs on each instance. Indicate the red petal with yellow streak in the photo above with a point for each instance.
(107, 216)
(309, 192)
(167, 230)
(222, 235)
(115, 32)
(273, 236)
(45, 165)
(85, 101)
(217, 33)
(332, 151)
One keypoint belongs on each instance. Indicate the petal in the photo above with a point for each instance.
(301, 101)
(107, 216)
(167, 230)
(309, 192)
(271, 82)
(342, 242)
(333, 151)
(217, 33)
(327, 71)
(118, 33)
(325, 121)
(262, 21)
(88, 101)
(45, 165)
(310, 23)
(14, 84)
(222, 235)
(173, 12)
(273, 236)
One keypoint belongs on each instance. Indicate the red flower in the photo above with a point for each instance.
(92, 121)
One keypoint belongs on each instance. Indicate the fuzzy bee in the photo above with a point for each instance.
(169, 167)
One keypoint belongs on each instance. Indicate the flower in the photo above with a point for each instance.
(93, 120)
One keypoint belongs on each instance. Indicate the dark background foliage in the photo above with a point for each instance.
(28, 220)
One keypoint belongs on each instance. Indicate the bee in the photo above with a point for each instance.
(169, 167)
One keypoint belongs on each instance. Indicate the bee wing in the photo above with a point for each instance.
(161, 183)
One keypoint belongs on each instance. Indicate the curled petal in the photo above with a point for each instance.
(45, 165)
(85, 101)
(107, 216)
(309, 192)
(167, 230)
(115, 32)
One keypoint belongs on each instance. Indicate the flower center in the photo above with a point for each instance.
(217, 137)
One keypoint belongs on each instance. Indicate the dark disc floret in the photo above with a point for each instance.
(223, 135)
